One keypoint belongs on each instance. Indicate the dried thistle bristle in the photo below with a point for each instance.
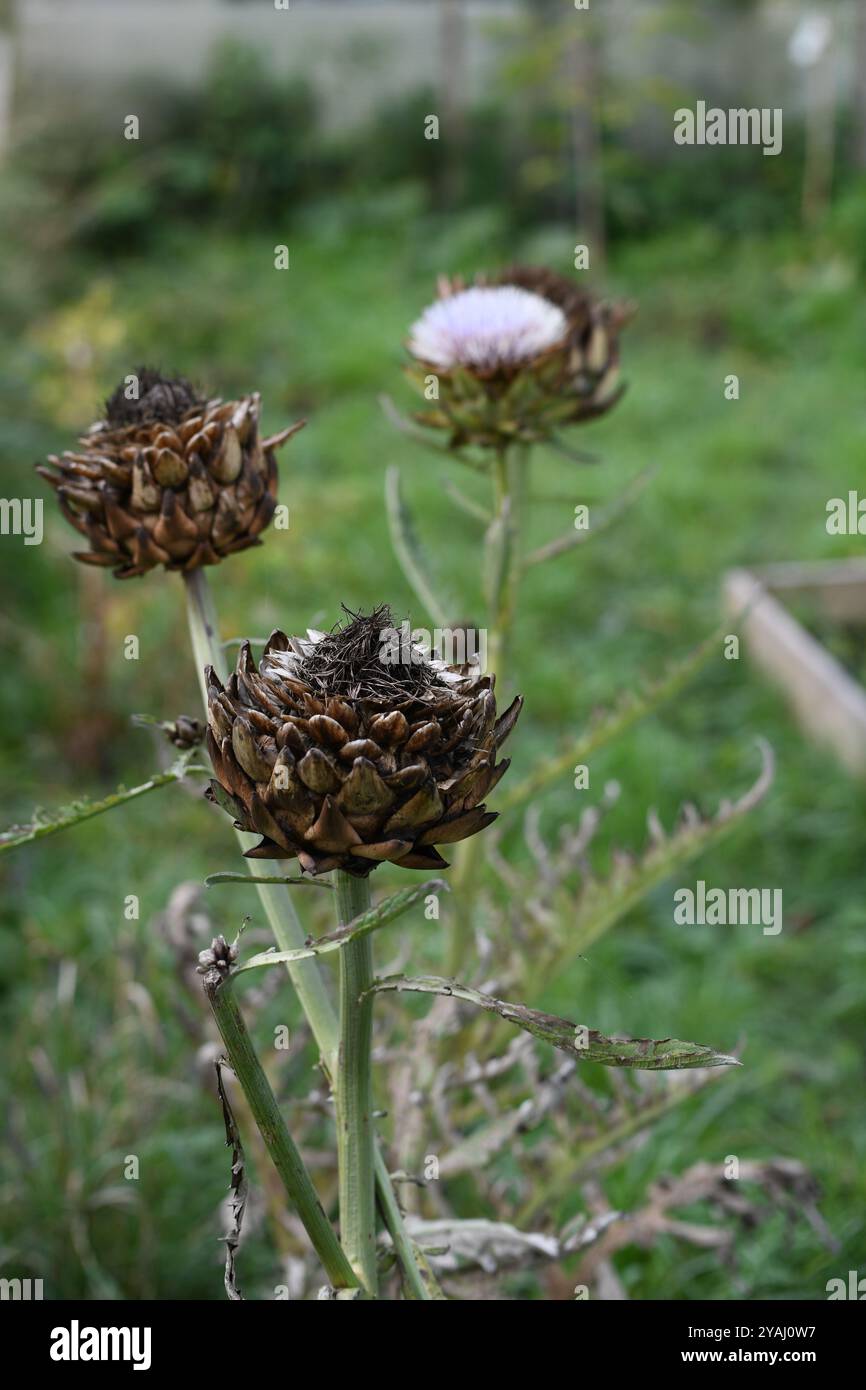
(159, 398)
(349, 661)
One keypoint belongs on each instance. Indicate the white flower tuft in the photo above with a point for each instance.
(486, 327)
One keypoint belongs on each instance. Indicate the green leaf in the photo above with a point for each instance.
(456, 1243)
(647, 1054)
(428, 437)
(298, 881)
(627, 711)
(408, 551)
(603, 902)
(66, 817)
(379, 916)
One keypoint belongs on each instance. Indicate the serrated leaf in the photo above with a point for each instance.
(371, 920)
(586, 1044)
(65, 817)
(603, 902)
(626, 712)
(487, 1245)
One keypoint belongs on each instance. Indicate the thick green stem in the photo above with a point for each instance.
(276, 900)
(289, 934)
(353, 1092)
(510, 469)
(279, 1143)
(509, 484)
(203, 629)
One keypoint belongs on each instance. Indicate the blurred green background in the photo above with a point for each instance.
(161, 251)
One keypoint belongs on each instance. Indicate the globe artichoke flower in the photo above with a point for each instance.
(343, 752)
(168, 479)
(515, 357)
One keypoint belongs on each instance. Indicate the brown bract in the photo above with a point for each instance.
(168, 479)
(575, 380)
(342, 760)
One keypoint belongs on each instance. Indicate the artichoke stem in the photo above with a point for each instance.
(353, 1091)
(204, 629)
(276, 901)
(279, 1143)
(510, 484)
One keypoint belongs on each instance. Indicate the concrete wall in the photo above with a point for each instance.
(356, 51)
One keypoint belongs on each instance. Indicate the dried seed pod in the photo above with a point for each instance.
(343, 759)
(168, 479)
